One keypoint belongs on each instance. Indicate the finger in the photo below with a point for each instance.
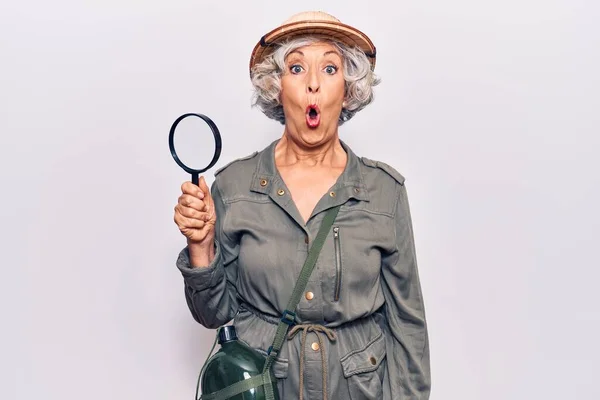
(188, 200)
(189, 212)
(191, 189)
(188, 223)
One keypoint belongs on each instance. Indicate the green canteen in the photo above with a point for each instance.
(235, 361)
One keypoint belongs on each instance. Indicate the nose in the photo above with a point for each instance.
(313, 84)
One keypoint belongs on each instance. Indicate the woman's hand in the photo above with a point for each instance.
(195, 214)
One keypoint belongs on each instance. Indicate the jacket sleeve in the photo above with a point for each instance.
(407, 343)
(210, 291)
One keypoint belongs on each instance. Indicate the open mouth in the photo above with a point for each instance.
(313, 116)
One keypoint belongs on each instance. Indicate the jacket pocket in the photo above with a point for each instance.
(280, 371)
(363, 370)
(280, 368)
(338, 263)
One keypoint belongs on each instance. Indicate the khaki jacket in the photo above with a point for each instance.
(362, 314)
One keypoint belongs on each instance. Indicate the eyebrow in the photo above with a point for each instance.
(331, 52)
(324, 54)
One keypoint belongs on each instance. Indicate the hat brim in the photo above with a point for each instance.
(329, 29)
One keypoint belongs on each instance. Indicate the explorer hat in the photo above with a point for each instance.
(313, 23)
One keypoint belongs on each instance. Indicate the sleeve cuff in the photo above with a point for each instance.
(201, 278)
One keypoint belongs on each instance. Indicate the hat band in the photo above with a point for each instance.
(263, 43)
(371, 55)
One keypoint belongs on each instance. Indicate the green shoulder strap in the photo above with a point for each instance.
(287, 319)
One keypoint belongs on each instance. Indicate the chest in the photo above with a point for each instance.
(308, 187)
(273, 249)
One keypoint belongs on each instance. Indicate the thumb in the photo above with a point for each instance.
(208, 200)
(206, 190)
(203, 186)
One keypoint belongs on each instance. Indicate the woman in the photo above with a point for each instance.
(361, 320)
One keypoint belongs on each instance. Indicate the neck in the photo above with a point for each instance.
(290, 151)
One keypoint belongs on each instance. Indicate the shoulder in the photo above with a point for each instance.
(381, 170)
(237, 164)
(235, 176)
(384, 185)
(240, 169)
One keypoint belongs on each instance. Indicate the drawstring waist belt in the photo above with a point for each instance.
(318, 330)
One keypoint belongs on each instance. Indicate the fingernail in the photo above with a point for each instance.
(201, 194)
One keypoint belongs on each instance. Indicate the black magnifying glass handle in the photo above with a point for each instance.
(217, 136)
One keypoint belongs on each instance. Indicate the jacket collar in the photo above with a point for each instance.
(267, 180)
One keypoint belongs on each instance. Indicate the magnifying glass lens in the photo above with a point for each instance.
(194, 143)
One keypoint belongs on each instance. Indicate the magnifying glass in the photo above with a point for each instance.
(192, 145)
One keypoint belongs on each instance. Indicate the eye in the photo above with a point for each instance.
(296, 69)
(331, 69)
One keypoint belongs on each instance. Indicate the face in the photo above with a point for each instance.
(312, 93)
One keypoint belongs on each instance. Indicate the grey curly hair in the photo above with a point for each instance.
(360, 79)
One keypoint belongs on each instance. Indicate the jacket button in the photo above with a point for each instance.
(356, 190)
(309, 295)
(281, 192)
(315, 346)
(263, 182)
(373, 360)
(332, 194)
(306, 239)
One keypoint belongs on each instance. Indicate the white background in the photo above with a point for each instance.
(489, 108)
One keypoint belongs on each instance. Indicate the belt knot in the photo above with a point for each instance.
(318, 329)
